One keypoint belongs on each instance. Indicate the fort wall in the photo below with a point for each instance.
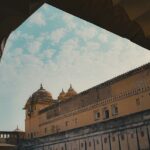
(126, 133)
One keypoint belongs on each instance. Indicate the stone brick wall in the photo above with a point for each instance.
(126, 133)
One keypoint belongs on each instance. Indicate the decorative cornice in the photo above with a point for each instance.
(120, 77)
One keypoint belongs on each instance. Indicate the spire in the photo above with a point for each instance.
(62, 95)
(71, 92)
(62, 91)
(70, 86)
(41, 88)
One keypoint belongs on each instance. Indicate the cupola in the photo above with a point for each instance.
(71, 92)
(62, 95)
(40, 96)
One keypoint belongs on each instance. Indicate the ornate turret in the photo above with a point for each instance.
(62, 95)
(71, 92)
(40, 96)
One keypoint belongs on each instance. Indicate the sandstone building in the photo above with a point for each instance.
(114, 115)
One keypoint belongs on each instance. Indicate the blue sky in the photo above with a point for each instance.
(56, 49)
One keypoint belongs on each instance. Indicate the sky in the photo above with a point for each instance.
(55, 48)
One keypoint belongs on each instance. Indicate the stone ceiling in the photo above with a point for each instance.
(127, 18)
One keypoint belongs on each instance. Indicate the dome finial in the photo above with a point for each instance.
(70, 86)
(41, 87)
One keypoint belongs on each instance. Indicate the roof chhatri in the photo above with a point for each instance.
(40, 96)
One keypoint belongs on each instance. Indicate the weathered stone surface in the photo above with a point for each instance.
(114, 134)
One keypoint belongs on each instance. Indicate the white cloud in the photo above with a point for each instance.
(70, 44)
(69, 20)
(92, 46)
(47, 54)
(34, 47)
(86, 32)
(103, 37)
(37, 18)
(57, 35)
(34, 44)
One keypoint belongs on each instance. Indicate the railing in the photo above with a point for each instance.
(11, 137)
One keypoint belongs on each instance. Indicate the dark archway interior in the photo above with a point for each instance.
(127, 18)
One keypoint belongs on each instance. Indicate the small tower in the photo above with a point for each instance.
(71, 92)
(62, 95)
(38, 101)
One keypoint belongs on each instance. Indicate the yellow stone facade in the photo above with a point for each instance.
(121, 96)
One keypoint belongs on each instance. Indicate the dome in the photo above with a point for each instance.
(62, 95)
(40, 96)
(71, 92)
(28, 102)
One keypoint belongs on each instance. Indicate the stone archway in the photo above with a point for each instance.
(127, 18)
